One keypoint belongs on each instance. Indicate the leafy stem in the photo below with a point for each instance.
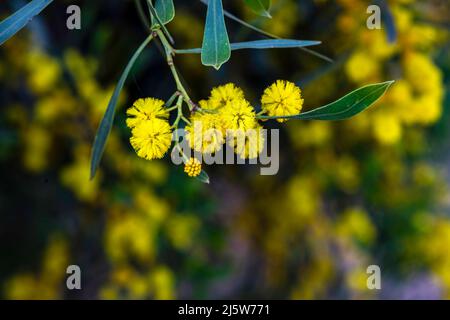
(170, 53)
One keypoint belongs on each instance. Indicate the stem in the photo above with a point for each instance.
(179, 106)
(175, 125)
(171, 100)
(260, 113)
(185, 120)
(170, 52)
(154, 14)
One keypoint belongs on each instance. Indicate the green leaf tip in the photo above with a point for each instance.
(203, 177)
(260, 7)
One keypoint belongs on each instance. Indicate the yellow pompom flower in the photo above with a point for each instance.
(193, 167)
(283, 98)
(248, 145)
(151, 138)
(221, 95)
(146, 109)
(205, 133)
(238, 115)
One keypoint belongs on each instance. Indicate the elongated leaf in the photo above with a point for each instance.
(260, 7)
(216, 45)
(273, 44)
(106, 124)
(165, 11)
(260, 44)
(389, 22)
(14, 23)
(346, 107)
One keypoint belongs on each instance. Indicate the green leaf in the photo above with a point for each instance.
(106, 124)
(346, 107)
(203, 177)
(14, 23)
(260, 7)
(216, 45)
(273, 44)
(260, 44)
(154, 15)
(165, 11)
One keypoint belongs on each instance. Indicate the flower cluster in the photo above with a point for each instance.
(226, 117)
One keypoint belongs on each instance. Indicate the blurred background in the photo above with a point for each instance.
(370, 190)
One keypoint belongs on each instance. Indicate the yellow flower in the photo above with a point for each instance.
(146, 109)
(387, 128)
(238, 115)
(401, 94)
(181, 230)
(355, 223)
(130, 235)
(361, 67)
(76, 177)
(151, 138)
(221, 95)
(37, 147)
(283, 98)
(163, 283)
(205, 133)
(377, 45)
(418, 67)
(44, 72)
(248, 145)
(193, 167)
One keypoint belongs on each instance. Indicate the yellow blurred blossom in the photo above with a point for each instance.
(44, 72)
(37, 144)
(355, 224)
(387, 128)
(163, 283)
(181, 230)
(361, 67)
